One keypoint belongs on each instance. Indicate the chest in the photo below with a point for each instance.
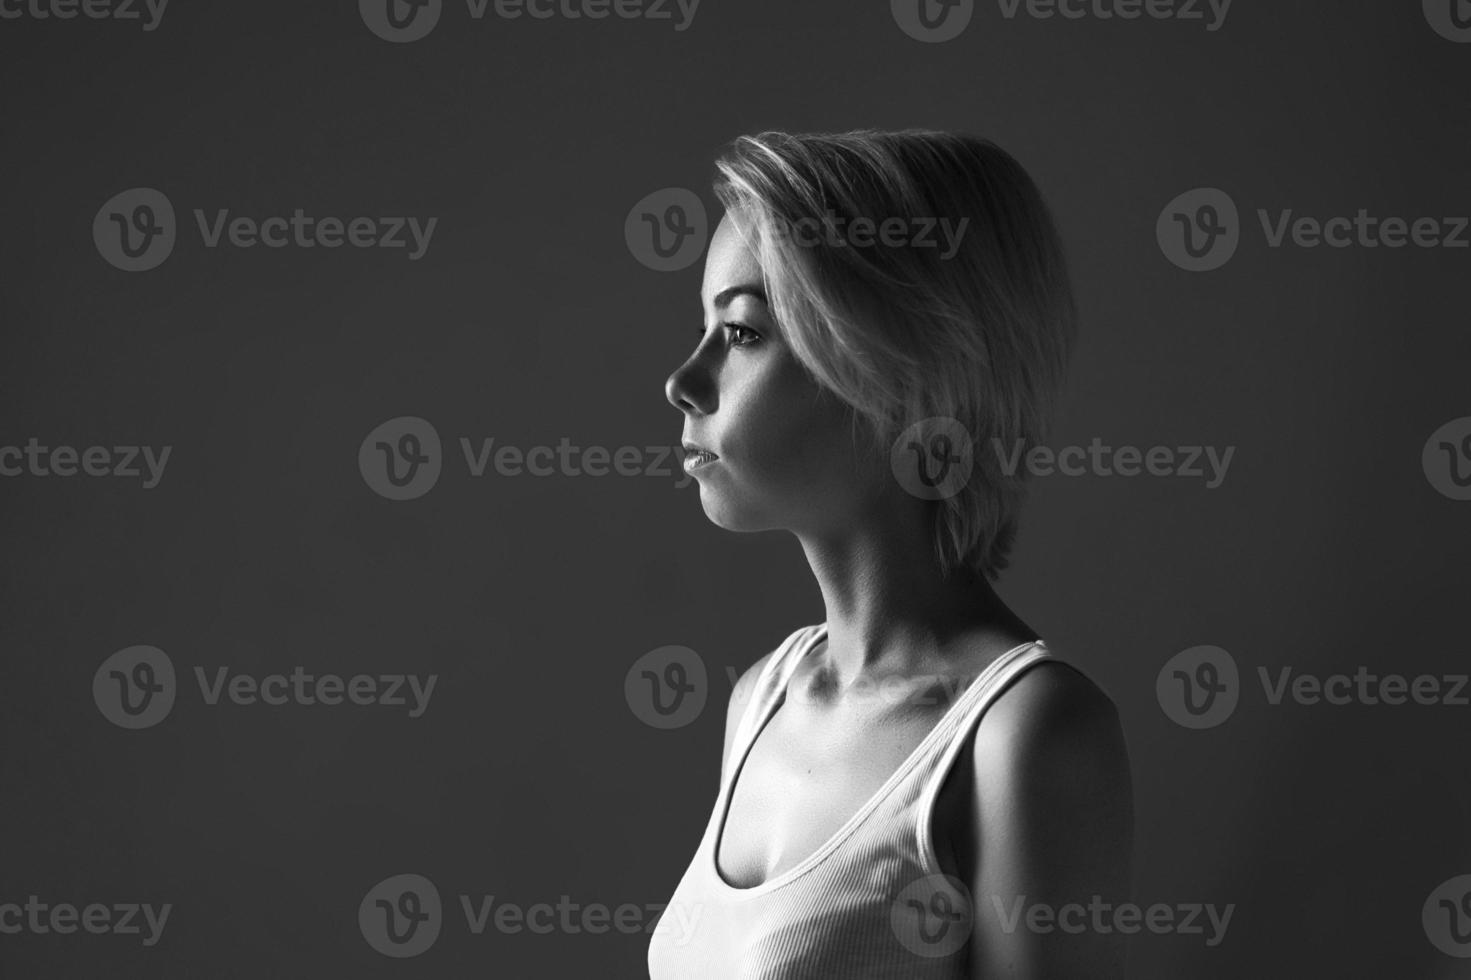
(808, 772)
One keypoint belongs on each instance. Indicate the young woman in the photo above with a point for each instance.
(917, 786)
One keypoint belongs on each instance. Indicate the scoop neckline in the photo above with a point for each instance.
(846, 830)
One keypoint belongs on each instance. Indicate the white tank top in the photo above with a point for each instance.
(871, 902)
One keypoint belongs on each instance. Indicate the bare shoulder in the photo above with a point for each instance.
(1053, 795)
(1053, 720)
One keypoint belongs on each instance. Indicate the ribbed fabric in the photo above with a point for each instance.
(834, 914)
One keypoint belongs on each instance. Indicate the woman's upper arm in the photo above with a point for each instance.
(1053, 825)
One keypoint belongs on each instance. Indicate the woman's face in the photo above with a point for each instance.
(784, 447)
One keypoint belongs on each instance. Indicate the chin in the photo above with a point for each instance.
(732, 515)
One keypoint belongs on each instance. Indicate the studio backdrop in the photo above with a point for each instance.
(360, 619)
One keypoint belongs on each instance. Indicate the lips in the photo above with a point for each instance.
(696, 455)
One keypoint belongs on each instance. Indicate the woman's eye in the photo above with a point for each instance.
(738, 331)
(741, 335)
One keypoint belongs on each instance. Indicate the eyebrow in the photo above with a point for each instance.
(725, 296)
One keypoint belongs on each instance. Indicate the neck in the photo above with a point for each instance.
(890, 609)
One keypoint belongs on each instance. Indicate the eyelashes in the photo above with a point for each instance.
(737, 330)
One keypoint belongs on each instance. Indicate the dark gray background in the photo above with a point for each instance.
(528, 320)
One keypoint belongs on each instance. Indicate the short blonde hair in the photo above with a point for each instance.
(902, 334)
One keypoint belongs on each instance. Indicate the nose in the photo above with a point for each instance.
(691, 388)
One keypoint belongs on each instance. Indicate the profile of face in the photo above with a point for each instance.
(784, 449)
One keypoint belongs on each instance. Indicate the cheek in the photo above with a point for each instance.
(793, 435)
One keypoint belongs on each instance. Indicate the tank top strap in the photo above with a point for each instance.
(959, 725)
(771, 684)
(978, 696)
